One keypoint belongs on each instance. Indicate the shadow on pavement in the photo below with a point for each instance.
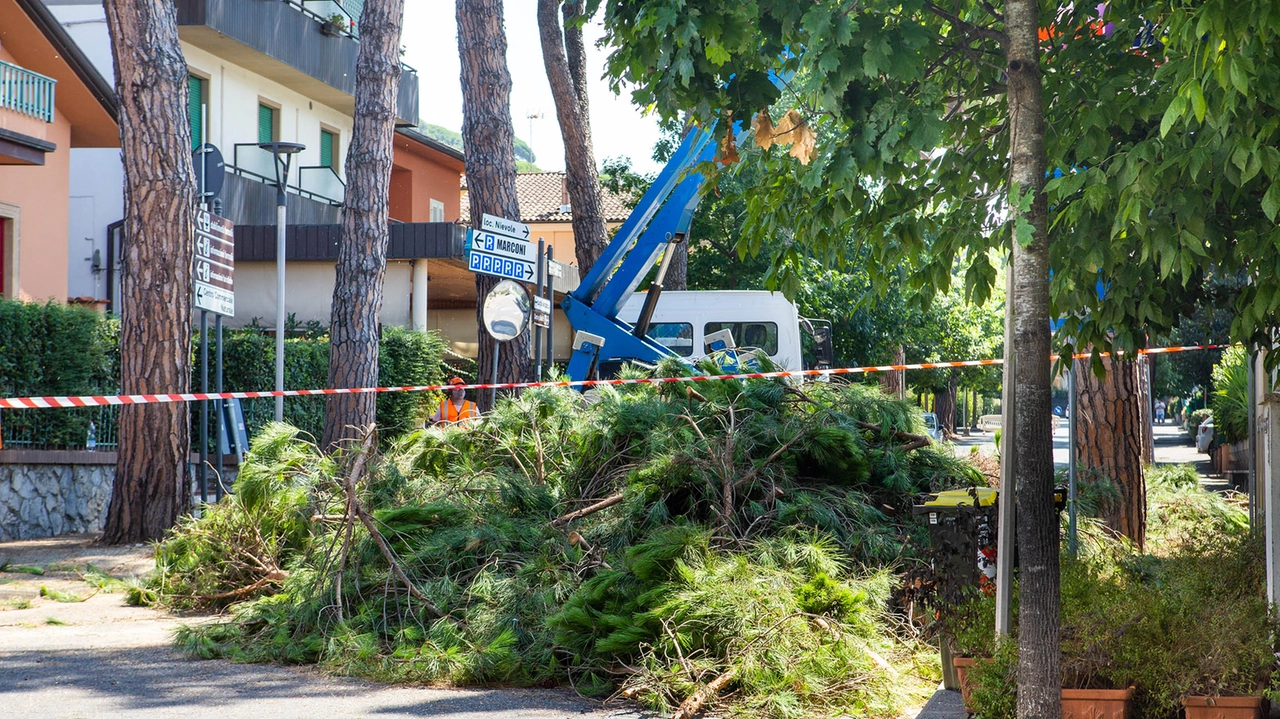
(153, 681)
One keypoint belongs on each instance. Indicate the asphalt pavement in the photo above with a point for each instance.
(1171, 446)
(101, 658)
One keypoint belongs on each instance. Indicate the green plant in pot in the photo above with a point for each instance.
(971, 628)
(1223, 647)
(1098, 613)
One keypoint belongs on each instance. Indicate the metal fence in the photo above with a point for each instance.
(60, 428)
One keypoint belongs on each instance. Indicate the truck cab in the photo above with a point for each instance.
(684, 321)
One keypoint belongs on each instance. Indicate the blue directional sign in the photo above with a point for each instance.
(487, 264)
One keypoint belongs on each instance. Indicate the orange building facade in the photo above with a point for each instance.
(51, 100)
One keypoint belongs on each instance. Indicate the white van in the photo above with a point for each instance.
(767, 321)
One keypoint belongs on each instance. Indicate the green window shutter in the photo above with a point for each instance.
(327, 146)
(196, 89)
(266, 123)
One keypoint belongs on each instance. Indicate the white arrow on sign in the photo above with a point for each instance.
(503, 226)
(487, 264)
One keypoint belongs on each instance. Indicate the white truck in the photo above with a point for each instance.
(689, 322)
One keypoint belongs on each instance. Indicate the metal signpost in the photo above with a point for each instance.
(506, 315)
(214, 286)
(501, 248)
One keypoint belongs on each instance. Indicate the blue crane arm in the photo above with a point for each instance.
(663, 214)
(696, 147)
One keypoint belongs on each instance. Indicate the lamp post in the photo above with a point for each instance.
(281, 154)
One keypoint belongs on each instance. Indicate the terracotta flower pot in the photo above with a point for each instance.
(963, 665)
(1097, 703)
(1224, 707)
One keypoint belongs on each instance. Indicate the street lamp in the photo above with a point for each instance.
(281, 154)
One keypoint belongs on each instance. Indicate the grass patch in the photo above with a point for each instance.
(55, 622)
(20, 603)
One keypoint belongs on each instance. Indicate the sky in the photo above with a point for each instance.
(431, 41)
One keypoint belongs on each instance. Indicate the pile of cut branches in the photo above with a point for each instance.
(733, 546)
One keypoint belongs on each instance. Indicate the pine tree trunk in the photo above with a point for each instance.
(1145, 407)
(893, 382)
(573, 112)
(362, 255)
(491, 163)
(945, 405)
(1039, 677)
(151, 488)
(1109, 438)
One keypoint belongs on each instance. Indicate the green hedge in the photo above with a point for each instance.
(54, 349)
(405, 357)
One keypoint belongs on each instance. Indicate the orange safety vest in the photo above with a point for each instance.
(453, 414)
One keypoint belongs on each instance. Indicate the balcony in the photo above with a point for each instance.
(25, 92)
(318, 183)
(291, 42)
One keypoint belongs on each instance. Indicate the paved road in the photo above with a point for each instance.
(1172, 446)
(104, 659)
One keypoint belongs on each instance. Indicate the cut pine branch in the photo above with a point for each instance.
(357, 468)
(690, 707)
(580, 513)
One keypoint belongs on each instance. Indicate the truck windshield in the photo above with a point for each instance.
(675, 336)
(761, 335)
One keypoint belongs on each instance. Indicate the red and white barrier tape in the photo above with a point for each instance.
(119, 399)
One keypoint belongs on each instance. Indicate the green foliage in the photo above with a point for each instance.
(524, 153)
(1190, 619)
(60, 596)
(1197, 418)
(1230, 400)
(779, 580)
(54, 349)
(405, 358)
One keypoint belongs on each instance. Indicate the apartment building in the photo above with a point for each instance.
(268, 70)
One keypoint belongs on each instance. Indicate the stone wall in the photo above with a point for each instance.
(48, 493)
(44, 494)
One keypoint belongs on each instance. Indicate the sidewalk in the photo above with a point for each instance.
(100, 658)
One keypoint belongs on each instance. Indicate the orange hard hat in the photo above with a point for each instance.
(456, 380)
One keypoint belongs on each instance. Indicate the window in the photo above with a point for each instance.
(328, 148)
(675, 336)
(437, 211)
(268, 125)
(760, 335)
(195, 106)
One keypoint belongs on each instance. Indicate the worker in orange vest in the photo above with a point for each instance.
(456, 406)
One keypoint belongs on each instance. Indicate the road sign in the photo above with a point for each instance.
(501, 226)
(495, 244)
(215, 261)
(542, 311)
(487, 264)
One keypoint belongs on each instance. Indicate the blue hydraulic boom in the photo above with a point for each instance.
(658, 223)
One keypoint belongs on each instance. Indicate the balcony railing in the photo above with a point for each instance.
(323, 181)
(26, 92)
(316, 183)
(330, 10)
(324, 11)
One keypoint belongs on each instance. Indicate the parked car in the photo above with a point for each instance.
(932, 428)
(1204, 435)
